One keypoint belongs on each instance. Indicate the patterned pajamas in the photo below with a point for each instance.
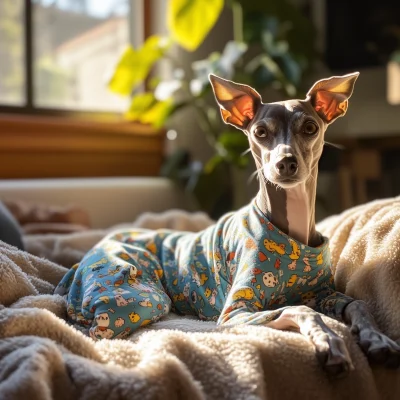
(242, 270)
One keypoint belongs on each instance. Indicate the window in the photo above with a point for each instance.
(57, 117)
(57, 54)
(12, 77)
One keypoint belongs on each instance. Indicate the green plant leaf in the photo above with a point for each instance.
(212, 163)
(301, 30)
(165, 89)
(291, 68)
(222, 65)
(395, 56)
(124, 76)
(190, 21)
(153, 82)
(140, 104)
(266, 68)
(155, 47)
(134, 65)
(230, 55)
(158, 113)
(273, 47)
(146, 109)
(234, 140)
(231, 145)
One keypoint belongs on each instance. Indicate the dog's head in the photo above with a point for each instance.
(286, 138)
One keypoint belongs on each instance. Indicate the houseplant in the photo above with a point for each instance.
(267, 52)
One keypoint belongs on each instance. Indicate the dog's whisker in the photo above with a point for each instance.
(311, 176)
(254, 174)
(258, 158)
(246, 152)
(335, 145)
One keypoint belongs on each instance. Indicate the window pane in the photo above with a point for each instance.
(12, 52)
(76, 45)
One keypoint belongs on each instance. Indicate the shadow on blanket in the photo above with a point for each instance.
(41, 357)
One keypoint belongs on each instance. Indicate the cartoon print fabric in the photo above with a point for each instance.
(242, 270)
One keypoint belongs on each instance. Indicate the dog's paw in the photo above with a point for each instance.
(333, 356)
(378, 348)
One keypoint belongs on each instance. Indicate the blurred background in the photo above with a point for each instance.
(98, 90)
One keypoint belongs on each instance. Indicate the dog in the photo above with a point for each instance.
(264, 264)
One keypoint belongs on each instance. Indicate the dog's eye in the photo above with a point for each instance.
(260, 131)
(310, 128)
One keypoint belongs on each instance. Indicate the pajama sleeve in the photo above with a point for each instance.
(244, 306)
(240, 310)
(332, 303)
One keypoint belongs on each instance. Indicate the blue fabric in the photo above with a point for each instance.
(242, 270)
(10, 231)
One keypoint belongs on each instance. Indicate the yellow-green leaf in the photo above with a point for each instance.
(154, 47)
(134, 65)
(146, 109)
(212, 163)
(190, 21)
(124, 75)
(140, 104)
(158, 113)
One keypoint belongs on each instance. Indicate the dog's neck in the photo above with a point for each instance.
(291, 210)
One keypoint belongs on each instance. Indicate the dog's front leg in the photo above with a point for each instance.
(331, 351)
(378, 347)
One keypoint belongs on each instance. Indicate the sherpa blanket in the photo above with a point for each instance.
(41, 357)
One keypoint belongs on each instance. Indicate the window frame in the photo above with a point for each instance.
(37, 142)
(29, 108)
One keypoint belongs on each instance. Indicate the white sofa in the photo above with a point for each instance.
(109, 201)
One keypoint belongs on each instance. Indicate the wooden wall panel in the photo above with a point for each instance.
(51, 147)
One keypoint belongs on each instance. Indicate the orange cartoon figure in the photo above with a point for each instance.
(295, 255)
(273, 247)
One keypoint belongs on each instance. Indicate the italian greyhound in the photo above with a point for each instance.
(286, 140)
(264, 264)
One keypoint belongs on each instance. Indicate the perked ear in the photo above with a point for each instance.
(330, 96)
(238, 103)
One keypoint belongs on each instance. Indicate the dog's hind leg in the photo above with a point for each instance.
(115, 290)
(119, 315)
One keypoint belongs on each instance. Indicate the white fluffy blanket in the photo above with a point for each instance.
(41, 357)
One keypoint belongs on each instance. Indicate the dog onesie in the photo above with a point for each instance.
(242, 270)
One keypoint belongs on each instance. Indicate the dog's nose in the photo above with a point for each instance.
(287, 166)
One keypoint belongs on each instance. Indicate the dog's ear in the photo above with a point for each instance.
(330, 96)
(238, 103)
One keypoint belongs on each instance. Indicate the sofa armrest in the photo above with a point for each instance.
(108, 201)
